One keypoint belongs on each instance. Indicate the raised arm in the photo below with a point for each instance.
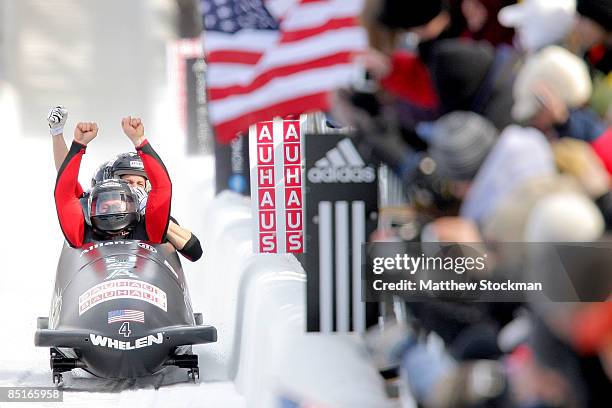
(68, 206)
(159, 198)
(57, 120)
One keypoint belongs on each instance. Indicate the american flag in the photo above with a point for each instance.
(125, 316)
(260, 66)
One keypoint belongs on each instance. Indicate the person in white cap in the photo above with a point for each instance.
(551, 93)
(539, 23)
(564, 217)
(549, 83)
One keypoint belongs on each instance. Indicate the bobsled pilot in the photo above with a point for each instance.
(129, 167)
(112, 204)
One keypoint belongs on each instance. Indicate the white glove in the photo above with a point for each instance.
(57, 119)
(142, 196)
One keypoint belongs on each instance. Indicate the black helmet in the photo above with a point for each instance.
(103, 172)
(127, 164)
(113, 206)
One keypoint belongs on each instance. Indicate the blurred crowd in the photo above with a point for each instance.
(497, 118)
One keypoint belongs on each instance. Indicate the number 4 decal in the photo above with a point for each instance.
(125, 329)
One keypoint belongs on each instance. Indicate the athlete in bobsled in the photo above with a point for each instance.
(129, 167)
(120, 308)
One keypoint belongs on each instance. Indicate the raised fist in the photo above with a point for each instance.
(57, 119)
(134, 129)
(85, 132)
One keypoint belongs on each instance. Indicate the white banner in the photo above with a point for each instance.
(277, 185)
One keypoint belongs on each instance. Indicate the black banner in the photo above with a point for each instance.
(232, 166)
(199, 135)
(341, 212)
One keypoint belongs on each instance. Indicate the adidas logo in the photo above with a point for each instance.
(342, 164)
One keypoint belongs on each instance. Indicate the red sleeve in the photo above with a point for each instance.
(78, 191)
(410, 80)
(160, 196)
(69, 211)
(603, 147)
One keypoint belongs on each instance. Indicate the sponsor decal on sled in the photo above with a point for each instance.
(106, 243)
(122, 289)
(125, 329)
(147, 341)
(117, 262)
(118, 273)
(101, 244)
(147, 247)
(125, 315)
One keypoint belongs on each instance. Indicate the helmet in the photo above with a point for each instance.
(103, 172)
(113, 206)
(128, 164)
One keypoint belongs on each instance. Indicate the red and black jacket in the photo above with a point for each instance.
(151, 228)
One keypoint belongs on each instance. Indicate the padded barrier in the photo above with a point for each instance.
(258, 304)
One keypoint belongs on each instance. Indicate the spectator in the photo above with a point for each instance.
(550, 92)
(459, 143)
(520, 154)
(539, 23)
(478, 19)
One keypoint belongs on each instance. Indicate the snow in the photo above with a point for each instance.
(103, 60)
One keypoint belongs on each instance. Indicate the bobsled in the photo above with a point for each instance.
(121, 309)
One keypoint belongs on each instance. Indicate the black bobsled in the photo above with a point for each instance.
(121, 309)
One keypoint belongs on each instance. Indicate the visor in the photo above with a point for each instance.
(113, 202)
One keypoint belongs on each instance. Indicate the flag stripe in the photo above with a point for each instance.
(333, 24)
(222, 75)
(283, 71)
(300, 84)
(302, 103)
(314, 47)
(317, 14)
(245, 40)
(322, 45)
(233, 57)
